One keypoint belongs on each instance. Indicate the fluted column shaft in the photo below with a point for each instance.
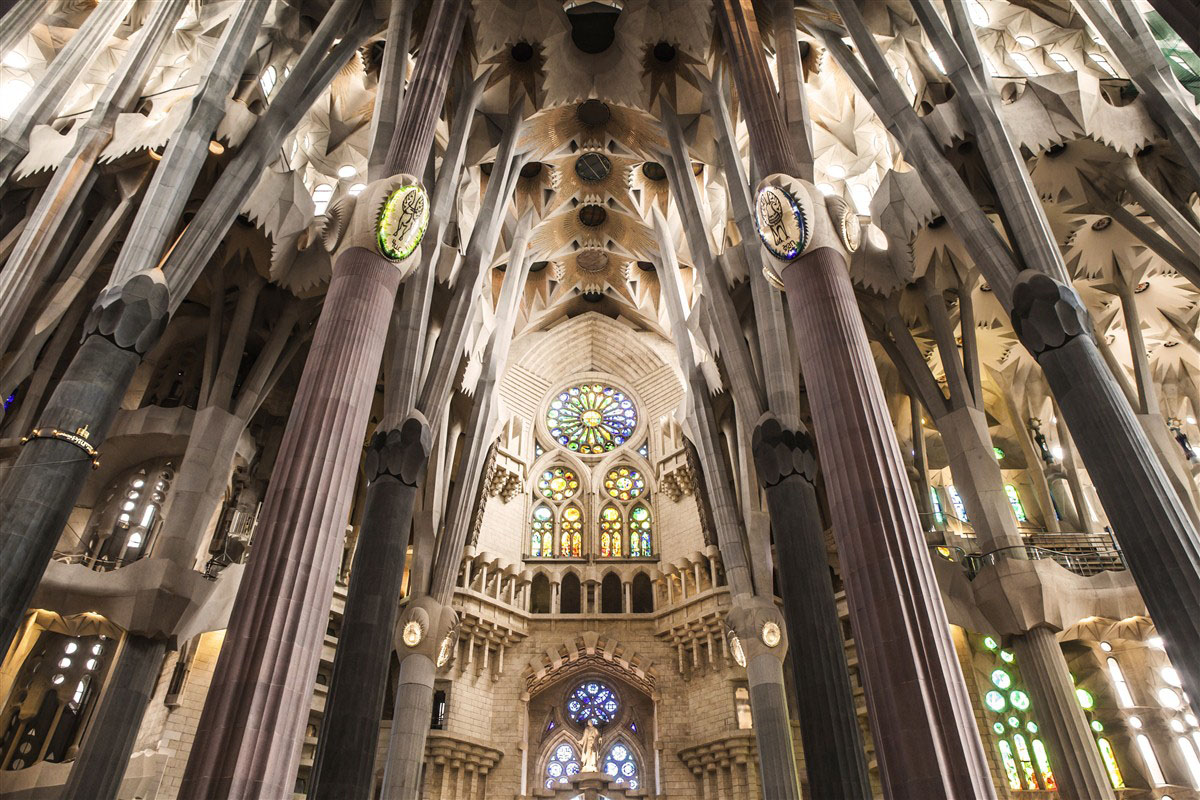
(108, 743)
(257, 706)
(833, 748)
(249, 733)
(344, 765)
(1074, 756)
(925, 733)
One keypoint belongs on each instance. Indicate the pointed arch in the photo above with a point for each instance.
(611, 532)
(541, 531)
(561, 761)
(571, 527)
(622, 763)
(610, 594)
(641, 530)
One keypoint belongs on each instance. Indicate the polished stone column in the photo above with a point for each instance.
(248, 738)
(925, 733)
(125, 322)
(112, 731)
(833, 748)
(1181, 15)
(345, 759)
(1162, 549)
(1074, 756)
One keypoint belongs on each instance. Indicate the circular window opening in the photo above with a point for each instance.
(531, 170)
(593, 700)
(646, 266)
(593, 297)
(521, 52)
(538, 266)
(663, 53)
(593, 112)
(654, 171)
(592, 215)
(593, 166)
(591, 418)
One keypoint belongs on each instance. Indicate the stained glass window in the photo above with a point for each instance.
(1015, 500)
(1110, 764)
(592, 700)
(562, 765)
(558, 484)
(957, 502)
(1026, 763)
(1043, 764)
(639, 531)
(624, 483)
(1010, 765)
(591, 418)
(572, 533)
(621, 766)
(541, 532)
(610, 533)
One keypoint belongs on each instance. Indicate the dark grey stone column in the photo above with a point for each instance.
(41, 487)
(345, 760)
(1074, 756)
(104, 754)
(1181, 15)
(833, 750)
(1157, 536)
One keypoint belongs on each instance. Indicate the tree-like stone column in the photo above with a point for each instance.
(345, 760)
(1163, 552)
(926, 738)
(1073, 753)
(125, 322)
(833, 749)
(106, 747)
(248, 738)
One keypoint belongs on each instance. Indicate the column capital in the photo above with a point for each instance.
(400, 452)
(427, 628)
(1046, 314)
(759, 627)
(780, 452)
(133, 314)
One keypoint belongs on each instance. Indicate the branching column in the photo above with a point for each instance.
(925, 731)
(247, 740)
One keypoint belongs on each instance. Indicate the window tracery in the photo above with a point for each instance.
(124, 525)
(591, 418)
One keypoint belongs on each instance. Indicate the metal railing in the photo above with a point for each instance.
(1084, 554)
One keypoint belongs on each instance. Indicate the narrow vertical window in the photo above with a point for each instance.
(1014, 500)
(1110, 764)
(1148, 756)
(639, 531)
(1118, 678)
(541, 537)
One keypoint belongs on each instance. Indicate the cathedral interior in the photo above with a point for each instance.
(599, 399)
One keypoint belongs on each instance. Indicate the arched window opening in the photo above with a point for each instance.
(539, 595)
(640, 532)
(61, 678)
(621, 765)
(611, 533)
(571, 540)
(1014, 500)
(570, 594)
(122, 528)
(610, 594)
(563, 763)
(642, 595)
(541, 532)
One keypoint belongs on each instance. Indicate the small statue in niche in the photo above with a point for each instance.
(589, 748)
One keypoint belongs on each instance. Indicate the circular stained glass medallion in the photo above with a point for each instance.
(780, 222)
(624, 483)
(592, 700)
(402, 222)
(558, 484)
(591, 418)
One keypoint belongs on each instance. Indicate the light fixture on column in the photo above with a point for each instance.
(413, 633)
